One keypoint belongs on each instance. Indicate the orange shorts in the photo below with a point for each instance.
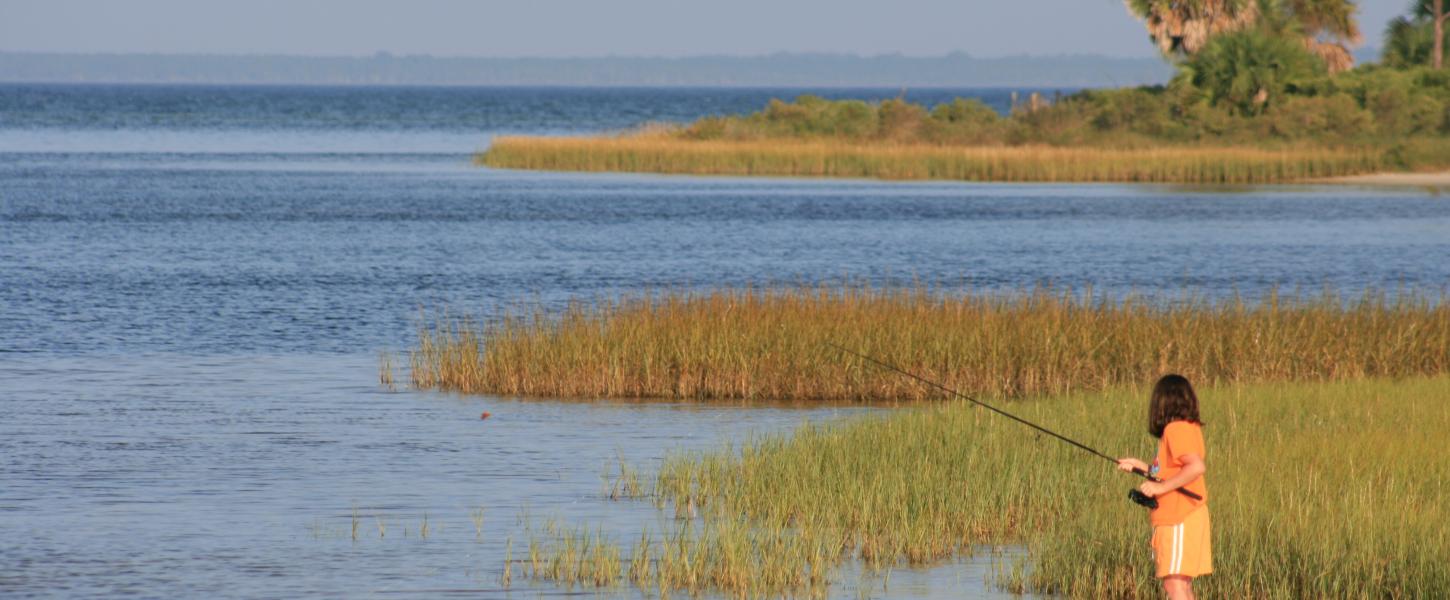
(1183, 549)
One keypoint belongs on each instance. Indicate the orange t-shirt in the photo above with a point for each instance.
(1179, 438)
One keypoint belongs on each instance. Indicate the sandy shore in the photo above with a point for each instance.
(1437, 180)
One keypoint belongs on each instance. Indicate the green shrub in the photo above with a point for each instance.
(966, 111)
(964, 121)
(899, 120)
(813, 117)
(1435, 82)
(1400, 110)
(708, 128)
(1065, 123)
(1149, 111)
(1249, 71)
(1307, 117)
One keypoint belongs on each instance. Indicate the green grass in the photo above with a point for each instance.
(1323, 489)
(743, 344)
(890, 160)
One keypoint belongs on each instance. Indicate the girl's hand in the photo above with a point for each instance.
(1131, 464)
(1153, 489)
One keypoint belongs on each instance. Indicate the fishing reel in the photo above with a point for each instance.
(1143, 499)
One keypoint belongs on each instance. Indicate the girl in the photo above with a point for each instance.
(1180, 524)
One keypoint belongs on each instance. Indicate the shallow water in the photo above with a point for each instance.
(175, 475)
(194, 284)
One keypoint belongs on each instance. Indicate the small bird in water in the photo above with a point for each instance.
(486, 415)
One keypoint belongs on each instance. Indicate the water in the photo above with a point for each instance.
(195, 281)
(382, 120)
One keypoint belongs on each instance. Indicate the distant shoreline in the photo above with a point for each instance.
(1024, 90)
(772, 70)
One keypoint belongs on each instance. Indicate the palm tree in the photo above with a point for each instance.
(1328, 29)
(1434, 10)
(1419, 38)
(1407, 44)
(1182, 27)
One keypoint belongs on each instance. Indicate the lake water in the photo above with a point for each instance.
(195, 283)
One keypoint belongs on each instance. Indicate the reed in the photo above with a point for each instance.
(738, 344)
(576, 557)
(476, 515)
(1320, 489)
(506, 578)
(654, 153)
(385, 371)
(640, 562)
(626, 484)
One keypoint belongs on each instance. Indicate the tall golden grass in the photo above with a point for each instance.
(772, 344)
(655, 153)
(1319, 490)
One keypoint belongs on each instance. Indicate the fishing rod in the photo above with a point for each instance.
(1134, 495)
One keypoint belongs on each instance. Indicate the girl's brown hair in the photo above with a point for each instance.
(1173, 400)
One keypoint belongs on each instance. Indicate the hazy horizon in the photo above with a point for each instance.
(775, 70)
(578, 29)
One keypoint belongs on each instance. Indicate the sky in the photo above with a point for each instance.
(579, 28)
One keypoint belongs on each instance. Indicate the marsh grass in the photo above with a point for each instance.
(1323, 489)
(575, 557)
(655, 153)
(625, 484)
(641, 562)
(770, 345)
(506, 578)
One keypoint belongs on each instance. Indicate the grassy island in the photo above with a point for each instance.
(1266, 96)
(1371, 120)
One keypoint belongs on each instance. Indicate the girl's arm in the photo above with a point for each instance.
(1130, 464)
(1193, 468)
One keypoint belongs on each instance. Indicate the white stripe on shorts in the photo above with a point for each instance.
(1176, 564)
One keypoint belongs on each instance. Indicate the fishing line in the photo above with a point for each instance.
(1135, 495)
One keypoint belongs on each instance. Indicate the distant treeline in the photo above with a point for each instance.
(951, 70)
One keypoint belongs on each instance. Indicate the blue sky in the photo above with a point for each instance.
(589, 27)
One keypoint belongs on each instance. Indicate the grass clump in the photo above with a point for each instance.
(575, 557)
(771, 345)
